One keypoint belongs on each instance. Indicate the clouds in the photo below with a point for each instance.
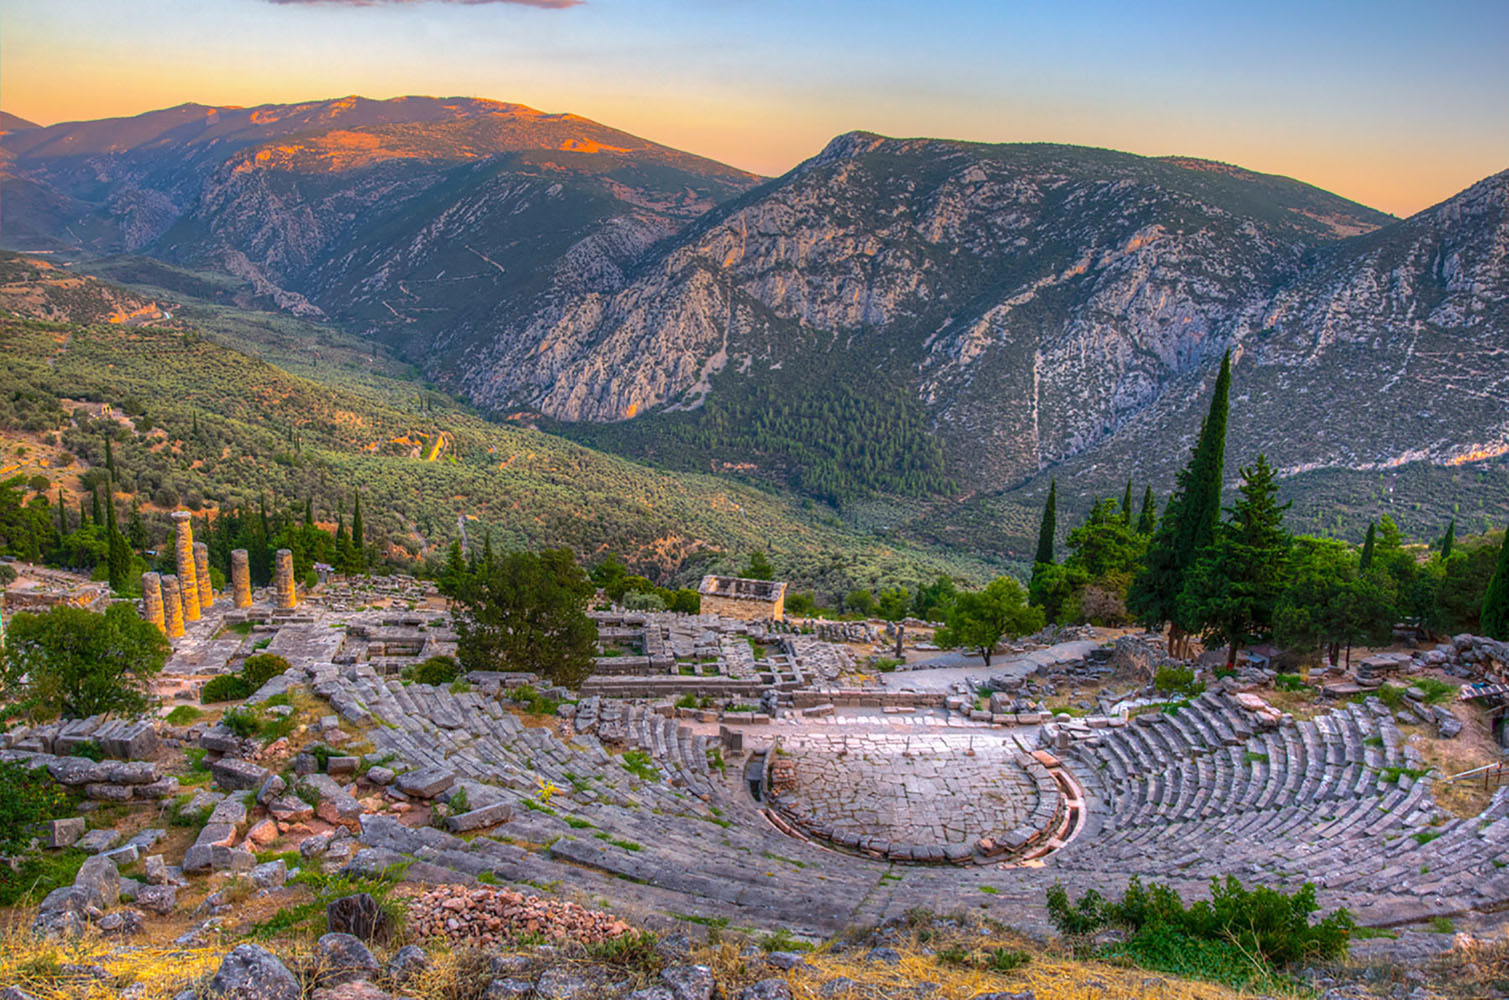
(543, 4)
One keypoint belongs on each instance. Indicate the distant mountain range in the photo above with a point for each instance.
(1040, 309)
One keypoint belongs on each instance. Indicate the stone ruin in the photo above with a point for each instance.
(703, 741)
(741, 598)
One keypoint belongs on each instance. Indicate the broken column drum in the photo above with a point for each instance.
(188, 577)
(283, 584)
(151, 600)
(240, 579)
(172, 605)
(202, 570)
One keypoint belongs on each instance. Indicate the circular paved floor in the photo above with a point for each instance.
(920, 791)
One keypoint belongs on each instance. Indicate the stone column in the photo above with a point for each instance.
(240, 579)
(151, 600)
(202, 571)
(283, 585)
(188, 577)
(172, 605)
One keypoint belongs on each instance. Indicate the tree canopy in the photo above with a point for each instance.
(982, 618)
(525, 611)
(1232, 590)
(74, 663)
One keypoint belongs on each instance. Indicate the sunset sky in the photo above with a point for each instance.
(1395, 104)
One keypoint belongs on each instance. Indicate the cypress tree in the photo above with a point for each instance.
(83, 513)
(1147, 521)
(62, 514)
(109, 457)
(1449, 540)
(1188, 523)
(118, 552)
(1366, 561)
(1048, 528)
(1126, 504)
(1495, 618)
(308, 512)
(95, 514)
(358, 533)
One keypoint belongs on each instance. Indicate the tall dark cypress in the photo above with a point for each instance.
(109, 456)
(62, 514)
(1495, 619)
(1148, 519)
(358, 533)
(95, 511)
(1126, 504)
(1201, 506)
(308, 512)
(1188, 523)
(1449, 540)
(1365, 562)
(118, 551)
(1049, 526)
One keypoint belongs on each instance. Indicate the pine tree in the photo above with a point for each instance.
(1495, 618)
(1188, 523)
(358, 534)
(1233, 589)
(1126, 504)
(1365, 563)
(1048, 528)
(1449, 540)
(1147, 521)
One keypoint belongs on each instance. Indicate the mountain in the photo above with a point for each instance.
(904, 318)
(229, 408)
(445, 214)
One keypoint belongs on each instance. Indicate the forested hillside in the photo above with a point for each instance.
(194, 423)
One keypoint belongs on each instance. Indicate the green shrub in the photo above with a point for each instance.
(435, 671)
(1006, 959)
(28, 799)
(1436, 690)
(637, 763)
(1173, 680)
(261, 668)
(225, 687)
(1238, 936)
(38, 874)
(183, 715)
(1290, 682)
(241, 721)
(88, 749)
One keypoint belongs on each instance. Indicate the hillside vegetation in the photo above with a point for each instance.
(197, 424)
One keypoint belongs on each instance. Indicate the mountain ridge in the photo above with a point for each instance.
(1048, 307)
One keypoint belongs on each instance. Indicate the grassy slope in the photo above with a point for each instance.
(360, 422)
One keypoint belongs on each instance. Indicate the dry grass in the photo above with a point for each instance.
(1473, 968)
(1474, 747)
(38, 967)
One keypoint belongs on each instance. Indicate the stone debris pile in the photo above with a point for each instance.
(487, 916)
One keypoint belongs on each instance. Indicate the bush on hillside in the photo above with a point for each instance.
(261, 668)
(226, 687)
(1238, 936)
(437, 670)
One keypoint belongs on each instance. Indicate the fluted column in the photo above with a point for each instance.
(202, 570)
(151, 600)
(240, 579)
(188, 576)
(287, 597)
(172, 606)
